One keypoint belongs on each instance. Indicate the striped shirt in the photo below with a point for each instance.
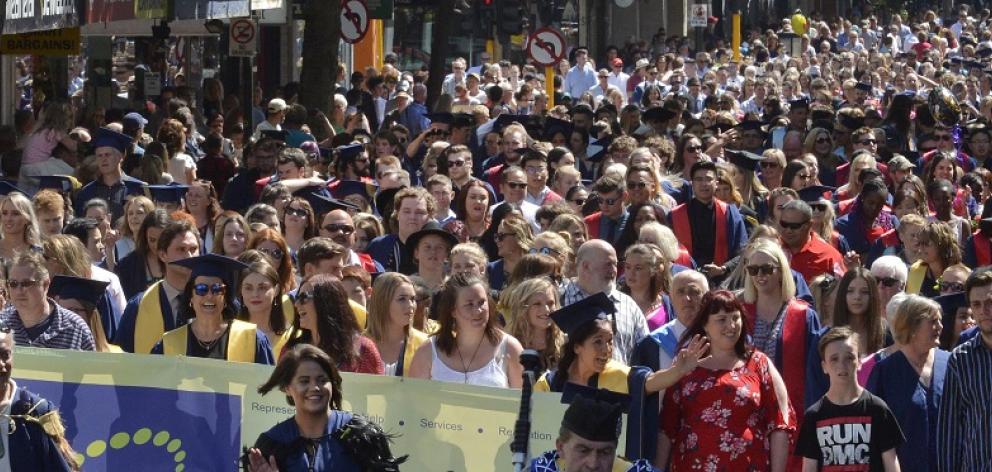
(67, 330)
(964, 427)
(631, 326)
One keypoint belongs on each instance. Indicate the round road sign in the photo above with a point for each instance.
(546, 46)
(354, 20)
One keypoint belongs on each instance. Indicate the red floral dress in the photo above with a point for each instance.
(720, 420)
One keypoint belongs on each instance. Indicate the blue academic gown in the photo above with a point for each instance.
(331, 456)
(681, 194)
(30, 448)
(851, 228)
(263, 350)
(495, 275)
(129, 320)
(108, 316)
(894, 380)
(133, 274)
(387, 251)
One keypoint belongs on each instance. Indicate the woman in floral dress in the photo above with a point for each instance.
(732, 413)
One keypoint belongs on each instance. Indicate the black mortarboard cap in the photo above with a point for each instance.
(594, 419)
(6, 188)
(863, 86)
(109, 138)
(326, 153)
(167, 193)
(59, 183)
(966, 40)
(799, 103)
(323, 204)
(596, 150)
(744, 159)
(350, 151)
(504, 120)
(276, 134)
(814, 193)
(213, 265)
(949, 306)
(384, 201)
(133, 186)
(850, 122)
(554, 126)
(443, 117)
(78, 288)
(752, 125)
(462, 120)
(904, 99)
(660, 114)
(571, 317)
(343, 188)
(956, 60)
(984, 52)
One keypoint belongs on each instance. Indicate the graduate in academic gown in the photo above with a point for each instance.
(342, 442)
(82, 297)
(587, 364)
(729, 235)
(914, 398)
(978, 249)
(213, 332)
(866, 222)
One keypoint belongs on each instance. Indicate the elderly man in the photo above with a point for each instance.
(340, 228)
(25, 419)
(587, 441)
(596, 265)
(811, 256)
(36, 320)
(657, 351)
(891, 273)
(109, 148)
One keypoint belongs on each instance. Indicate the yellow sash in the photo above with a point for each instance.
(360, 314)
(240, 342)
(613, 378)
(917, 272)
(414, 339)
(148, 324)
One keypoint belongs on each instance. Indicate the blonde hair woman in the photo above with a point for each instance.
(782, 326)
(530, 306)
(18, 226)
(135, 210)
(391, 310)
(468, 258)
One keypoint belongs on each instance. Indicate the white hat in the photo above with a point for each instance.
(277, 105)
(641, 63)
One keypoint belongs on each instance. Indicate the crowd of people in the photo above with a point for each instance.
(773, 264)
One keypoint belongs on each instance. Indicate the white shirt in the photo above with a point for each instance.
(173, 296)
(265, 125)
(619, 80)
(117, 299)
(529, 211)
(677, 328)
(631, 326)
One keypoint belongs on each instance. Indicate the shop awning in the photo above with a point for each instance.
(24, 16)
(211, 9)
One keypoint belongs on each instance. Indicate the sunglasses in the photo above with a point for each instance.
(868, 142)
(547, 251)
(637, 185)
(609, 201)
(501, 236)
(517, 185)
(818, 206)
(764, 269)
(787, 225)
(456, 163)
(204, 289)
(346, 229)
(303, 297)
(302, 213)
(579, 201)
(889, 281)
(16, 284)
(276, 254)
(951, 287)
(769, 165)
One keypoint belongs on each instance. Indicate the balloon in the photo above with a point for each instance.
(944, 107)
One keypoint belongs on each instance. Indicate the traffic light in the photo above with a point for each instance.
(510, 16)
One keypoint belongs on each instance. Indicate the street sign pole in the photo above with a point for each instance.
(549, 86)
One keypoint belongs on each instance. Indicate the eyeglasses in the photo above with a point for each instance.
(579, 201)
(333, 228)
(889, 281)
(951, 287)
(868, 142)
(456, 163)
(764, 269)
(547, 251)
(302, 213)
(609, 201)
(788, 225)
(637, 185)
(215, 289)
(769, 165)
(303, 297)
(16, 284)
(502, 236)
(517, 185)
(276, 254)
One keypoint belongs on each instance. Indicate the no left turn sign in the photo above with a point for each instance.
(546, 47)
(354, 20)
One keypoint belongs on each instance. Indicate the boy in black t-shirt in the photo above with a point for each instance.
(849, 429)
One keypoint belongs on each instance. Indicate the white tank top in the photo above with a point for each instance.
(490, 375)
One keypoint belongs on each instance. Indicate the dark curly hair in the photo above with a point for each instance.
(291, 360)
(336, 322)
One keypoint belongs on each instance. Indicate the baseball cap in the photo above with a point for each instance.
(135, 119)
(641, 63)
(276, 105)
(900, 162)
